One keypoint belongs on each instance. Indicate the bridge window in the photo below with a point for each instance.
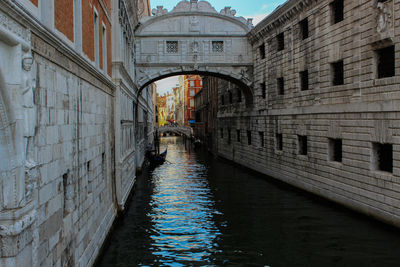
(304, 28)
(304, 80)
(280, 39)
(382, 157)
(261, 48)
(279, 141)
(335, 149)
(261, 134)
(337, 72)
(337, 10)
(238, 136)
(302, 145)
(263, 90)
(249, 138)
(385, 62)
(239, 93)
(281, 86)
(217, 46)
(172, 47)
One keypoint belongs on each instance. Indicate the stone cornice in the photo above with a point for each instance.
(51, 39)
(278, 17)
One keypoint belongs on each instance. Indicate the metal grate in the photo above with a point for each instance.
(217, 46)
(172, 47)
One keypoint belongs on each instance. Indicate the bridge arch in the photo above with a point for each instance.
(187, 131)
(195, 39)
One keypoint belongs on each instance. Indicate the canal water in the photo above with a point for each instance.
(196, 210)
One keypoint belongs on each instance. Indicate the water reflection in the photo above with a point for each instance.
(182, 209)
(198, 211)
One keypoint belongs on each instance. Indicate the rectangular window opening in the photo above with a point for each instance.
(104, 47)
(386, 62)
(383, 157)
(222, 133)
(261, 135)
(302, 145)
(222, 100)
(96, 40)
(230, 98)
(239, 93)
(229, 136)
(337, 73)
(249, 137)
(261, 48)
(304, 80)
(279, 141)
(304, 28)
(217, 46)
(263, 90)
(337, 10)
(335, 149)
(281, 86)
(238, 136)
(280, 38)
(172, 47)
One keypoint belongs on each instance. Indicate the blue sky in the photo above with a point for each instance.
(245, 8)
(256, 9)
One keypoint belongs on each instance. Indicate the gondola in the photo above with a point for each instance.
(157, 159)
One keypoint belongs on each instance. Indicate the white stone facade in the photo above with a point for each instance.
(59, 137)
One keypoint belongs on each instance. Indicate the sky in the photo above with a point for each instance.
(256, 9)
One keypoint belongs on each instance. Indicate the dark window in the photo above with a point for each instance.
(238, 135)
(230, 97)
(304, 28)
(261, 134)
(222, 133)
(249, 137)
(337, 73)
(279, 141)
(229, 136)
(281, 86)
(383, 157)
(386, 57)
(337, 7)
(65, 195)
(239, 92)
(222, 100)
(263, 90)
(280, 39)
(304, 80)
(302, 141)
(261, 48)
(335, 150)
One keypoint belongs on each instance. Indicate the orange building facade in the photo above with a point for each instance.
(193, 85)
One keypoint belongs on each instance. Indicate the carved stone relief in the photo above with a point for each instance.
(384, 18)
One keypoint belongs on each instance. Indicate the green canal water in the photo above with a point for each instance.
(196, 210)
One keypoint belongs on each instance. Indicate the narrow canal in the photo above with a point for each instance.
(199, 211)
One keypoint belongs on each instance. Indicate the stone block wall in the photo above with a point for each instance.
(74, 144)
(350, 123)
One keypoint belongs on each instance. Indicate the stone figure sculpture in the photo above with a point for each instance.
(384, 17)
(194, 24)
(29, 111)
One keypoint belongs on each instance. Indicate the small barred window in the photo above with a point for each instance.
(172, 47)
(217, 46)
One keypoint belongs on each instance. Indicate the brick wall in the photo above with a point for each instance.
(64, 17)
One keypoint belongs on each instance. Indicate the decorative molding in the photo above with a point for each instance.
(18, 226)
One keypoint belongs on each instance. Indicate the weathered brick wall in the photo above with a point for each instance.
(362, 112)
(74, 145)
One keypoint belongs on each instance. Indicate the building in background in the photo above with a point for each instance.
(193, 84)
(170, 108)
(162, 109)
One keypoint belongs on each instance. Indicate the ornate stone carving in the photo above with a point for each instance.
(384, 16)
(15, 28)
(194, 47)
(17, 227)
(227, 11)
(160, 10)
(194, 24)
